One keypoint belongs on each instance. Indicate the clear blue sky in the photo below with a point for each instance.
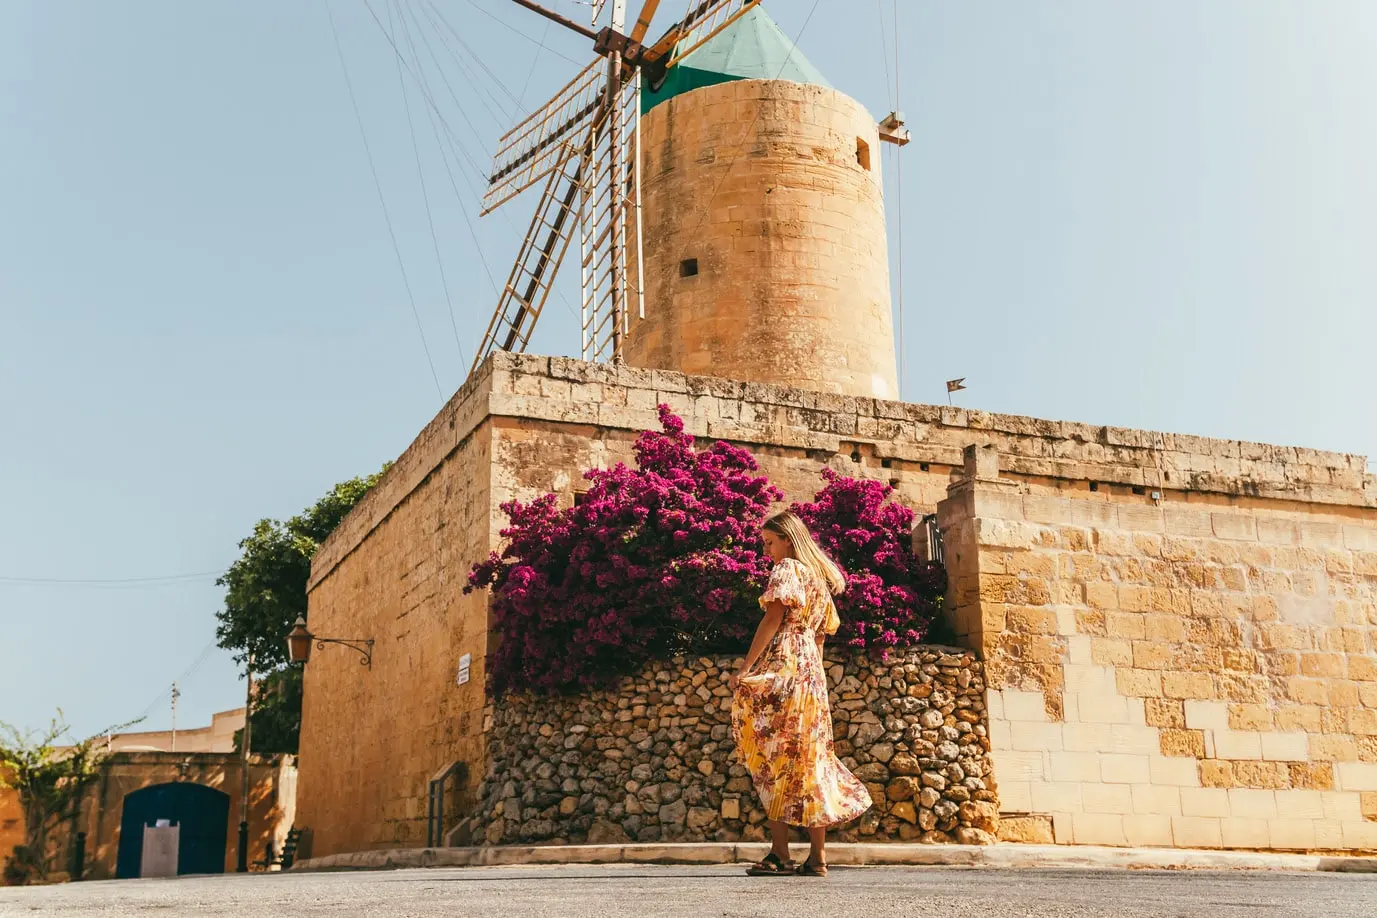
(1154, 214)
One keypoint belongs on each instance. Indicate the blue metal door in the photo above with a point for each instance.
(201, 812)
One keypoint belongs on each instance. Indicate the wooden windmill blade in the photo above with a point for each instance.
(643, 20)
(528, 152)
(609, 224)
(637, 34)
(542, 251)
(585, 144)
(703, 21)
(610, 215)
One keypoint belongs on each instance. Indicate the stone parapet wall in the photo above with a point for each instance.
(907, 443)
(570, 391)
(655, 761)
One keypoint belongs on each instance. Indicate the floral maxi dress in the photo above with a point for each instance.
(781, 720)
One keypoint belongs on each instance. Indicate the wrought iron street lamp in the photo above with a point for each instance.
(299, 642)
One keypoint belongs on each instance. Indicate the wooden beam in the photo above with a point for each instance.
(556, 17)
(643, 21)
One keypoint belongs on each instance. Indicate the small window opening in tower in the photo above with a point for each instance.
(863, 154)
(580, 498)
(688, 267)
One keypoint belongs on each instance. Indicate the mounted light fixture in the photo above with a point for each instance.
(299, 642)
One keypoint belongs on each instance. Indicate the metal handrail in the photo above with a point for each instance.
(435, 801)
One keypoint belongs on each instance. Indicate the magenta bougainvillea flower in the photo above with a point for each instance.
(665, 557)
(659, 559)
(892, 595)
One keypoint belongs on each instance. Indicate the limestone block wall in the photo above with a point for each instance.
(764, 239)
(525, 426)
(11, 822)
(654, 760)
(1194, 671)
(371, 738)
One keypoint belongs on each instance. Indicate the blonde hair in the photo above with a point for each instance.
(806, 550)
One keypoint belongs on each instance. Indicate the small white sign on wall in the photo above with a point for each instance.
(464, 662)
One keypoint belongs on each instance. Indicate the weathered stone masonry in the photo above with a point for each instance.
(524, 426)
(655, 760)
(1197, 673)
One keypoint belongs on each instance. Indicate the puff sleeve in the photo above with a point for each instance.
(786, 585)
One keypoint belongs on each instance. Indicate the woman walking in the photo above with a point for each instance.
(781, 719)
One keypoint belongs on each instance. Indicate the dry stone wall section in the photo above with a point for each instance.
(655, 761)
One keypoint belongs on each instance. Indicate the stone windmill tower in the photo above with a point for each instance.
(730, 206)
(764, 225)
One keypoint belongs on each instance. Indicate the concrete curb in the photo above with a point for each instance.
(852, 855)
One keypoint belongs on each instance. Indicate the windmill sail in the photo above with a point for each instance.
(533, 275)
(609, 222)
(528, 152)
(704, 19)
(585, 145)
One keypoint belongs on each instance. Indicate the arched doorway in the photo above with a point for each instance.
(201, 814)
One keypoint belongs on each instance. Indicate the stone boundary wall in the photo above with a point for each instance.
(654, 760)
(1186, 675)
(524, 426)
(601, 396)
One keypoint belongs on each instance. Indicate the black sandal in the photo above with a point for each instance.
(809, 869)
(772, 866)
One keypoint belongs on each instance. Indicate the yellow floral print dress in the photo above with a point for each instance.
(781, 720)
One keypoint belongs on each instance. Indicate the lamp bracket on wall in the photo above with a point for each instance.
(364, 648)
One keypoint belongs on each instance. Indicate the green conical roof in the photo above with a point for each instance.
(752, 48)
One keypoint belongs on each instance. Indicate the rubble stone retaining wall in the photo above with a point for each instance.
(654, 760)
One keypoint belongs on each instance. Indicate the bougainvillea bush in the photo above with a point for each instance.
(660, 558)
(892, 596)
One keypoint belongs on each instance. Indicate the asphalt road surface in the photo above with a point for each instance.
(713, 892)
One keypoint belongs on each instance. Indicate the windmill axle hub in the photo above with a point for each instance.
(610, 41)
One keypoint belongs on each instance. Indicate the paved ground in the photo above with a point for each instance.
(719, 892)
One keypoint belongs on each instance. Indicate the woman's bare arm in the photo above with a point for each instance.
(764, 633)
